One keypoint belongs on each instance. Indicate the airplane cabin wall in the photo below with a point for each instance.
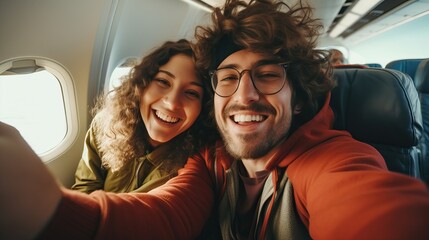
(63, 31)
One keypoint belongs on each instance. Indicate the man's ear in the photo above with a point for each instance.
(297, 109)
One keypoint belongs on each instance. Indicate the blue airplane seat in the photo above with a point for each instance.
(408, 66)
(422, 84)
(373, 65)
(381, 107)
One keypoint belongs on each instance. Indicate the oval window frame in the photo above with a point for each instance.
(66, 83)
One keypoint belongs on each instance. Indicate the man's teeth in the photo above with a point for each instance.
(166, 118)
(248, 118)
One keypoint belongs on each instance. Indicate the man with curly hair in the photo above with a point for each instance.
(279, 172)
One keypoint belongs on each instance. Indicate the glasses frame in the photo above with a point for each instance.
(212, 73)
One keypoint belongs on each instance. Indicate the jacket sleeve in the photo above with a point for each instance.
(176, 210)
(89, 174)
(347, 192)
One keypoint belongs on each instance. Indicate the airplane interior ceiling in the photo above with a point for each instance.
(384, 15)
(127, 26)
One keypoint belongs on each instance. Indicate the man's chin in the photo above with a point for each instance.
(245, 150)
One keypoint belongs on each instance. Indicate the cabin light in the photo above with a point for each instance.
(215, 3)
(349, 19)
(344, 23)
(199, 4)
(358, 10)
(364, 6)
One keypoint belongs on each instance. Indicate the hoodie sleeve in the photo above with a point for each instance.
(176, 210)
(347, 192)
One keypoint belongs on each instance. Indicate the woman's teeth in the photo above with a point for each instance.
(166, 118)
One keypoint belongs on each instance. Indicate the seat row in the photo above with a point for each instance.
(387, 108)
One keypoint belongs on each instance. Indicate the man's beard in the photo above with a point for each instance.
(258, 144)
(254, 145)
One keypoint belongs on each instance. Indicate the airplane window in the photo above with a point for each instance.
(121, 71)
(34, 113)
(41, 117)
(115, 79)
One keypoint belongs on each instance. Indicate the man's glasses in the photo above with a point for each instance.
(267, 79)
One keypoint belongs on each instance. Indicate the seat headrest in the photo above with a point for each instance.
(373, 65)
(408, 66)
(350, 66)
(377, 106)
(422, 76)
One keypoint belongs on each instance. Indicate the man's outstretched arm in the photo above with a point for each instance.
(32, 204)
(29, 194)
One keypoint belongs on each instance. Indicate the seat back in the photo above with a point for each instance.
(408, 66)
(351, 66)
(380, 107)
(421, 81)
(373, 65)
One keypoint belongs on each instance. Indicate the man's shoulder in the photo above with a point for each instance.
(337, 154)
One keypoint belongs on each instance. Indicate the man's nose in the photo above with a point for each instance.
(246, 92)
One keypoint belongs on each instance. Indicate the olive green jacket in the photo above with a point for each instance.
(141, 175)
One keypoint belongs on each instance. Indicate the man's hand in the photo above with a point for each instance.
(29, 194)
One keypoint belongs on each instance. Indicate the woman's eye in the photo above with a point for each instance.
(193, 94)
(162, 82)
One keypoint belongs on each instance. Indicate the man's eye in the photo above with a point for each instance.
(267, 75)
(228, 78)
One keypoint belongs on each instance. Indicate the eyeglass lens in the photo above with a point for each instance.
(267, 79)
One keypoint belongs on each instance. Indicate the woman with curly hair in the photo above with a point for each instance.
(144, 130)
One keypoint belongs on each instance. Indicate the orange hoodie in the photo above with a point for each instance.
(342, 190)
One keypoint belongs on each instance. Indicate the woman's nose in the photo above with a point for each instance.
(172, 100)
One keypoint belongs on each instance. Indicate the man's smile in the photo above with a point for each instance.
(246, 118)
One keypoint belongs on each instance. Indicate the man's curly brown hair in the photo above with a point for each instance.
(274, 27)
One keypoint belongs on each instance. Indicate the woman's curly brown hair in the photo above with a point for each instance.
(273, 27)
(120, 132)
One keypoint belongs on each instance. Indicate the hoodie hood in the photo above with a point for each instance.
(307, 136)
